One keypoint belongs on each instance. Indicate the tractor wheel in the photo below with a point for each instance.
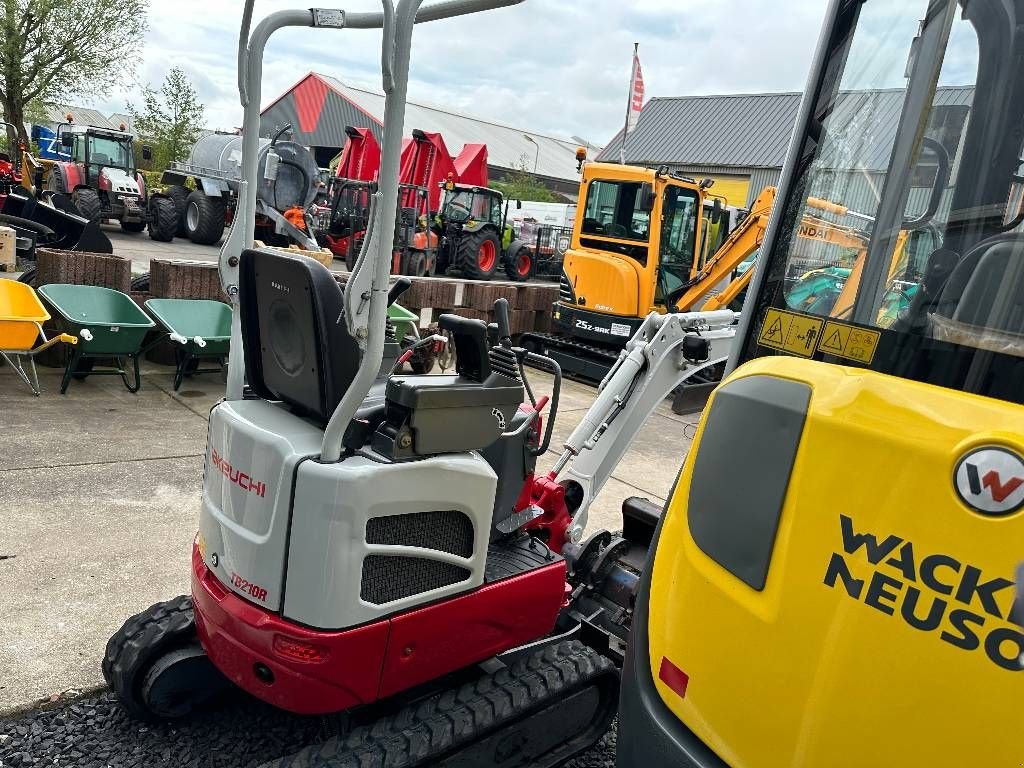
(87, 201)
(478, 254)
(519, 263)
(179, 195)
(204, 218)
(133, 226)
(156, 666)
(163, 222)
(417, 264)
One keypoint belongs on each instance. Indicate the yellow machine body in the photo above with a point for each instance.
(883, 632)
(608, 280)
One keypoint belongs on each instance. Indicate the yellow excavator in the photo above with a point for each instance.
(648, 240)
(850, 600)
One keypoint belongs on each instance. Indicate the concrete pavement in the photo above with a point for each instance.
(99, 497)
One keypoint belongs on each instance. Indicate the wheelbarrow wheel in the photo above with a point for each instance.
(83, 368)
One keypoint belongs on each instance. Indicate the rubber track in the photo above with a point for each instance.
(139, 642)
(423, 733)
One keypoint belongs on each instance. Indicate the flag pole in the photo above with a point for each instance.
(629, 104)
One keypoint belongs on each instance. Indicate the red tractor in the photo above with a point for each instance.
(101, 177)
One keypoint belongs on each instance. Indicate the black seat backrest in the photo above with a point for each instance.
(986, 288)
(297, 347)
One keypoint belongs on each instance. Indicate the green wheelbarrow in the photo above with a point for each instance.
(202, 329)
(108, 324)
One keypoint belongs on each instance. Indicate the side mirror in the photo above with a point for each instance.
(716, 209)
(147, 152)
(67, 140)
(647, 199)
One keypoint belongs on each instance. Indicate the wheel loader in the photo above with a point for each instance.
(850, 601)
(382, 544)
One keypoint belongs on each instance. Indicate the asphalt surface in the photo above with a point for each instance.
(240, 733)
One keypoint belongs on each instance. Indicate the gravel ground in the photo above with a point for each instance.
(242, 733)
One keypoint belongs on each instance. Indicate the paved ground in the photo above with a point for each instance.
(99, 494)
(140, 248)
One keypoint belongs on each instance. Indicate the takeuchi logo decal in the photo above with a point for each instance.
(236, 476)
(961, 603)
(990, 481)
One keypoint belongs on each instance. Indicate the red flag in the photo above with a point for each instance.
(636, 94)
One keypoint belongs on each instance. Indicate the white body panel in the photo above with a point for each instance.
(252, 450)
(333, 503)
(120, 182)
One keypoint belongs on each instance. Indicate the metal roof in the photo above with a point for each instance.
(57, 113)
(753, 130)
(508, 147)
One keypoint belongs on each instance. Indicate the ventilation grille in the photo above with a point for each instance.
(386, 579)
(447, 531)
(565, 292)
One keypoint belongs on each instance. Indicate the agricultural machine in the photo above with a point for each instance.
(288, 184)
(436, 232)
(100, 177)
(381, 544)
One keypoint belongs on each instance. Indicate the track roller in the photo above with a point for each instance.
(539, 712)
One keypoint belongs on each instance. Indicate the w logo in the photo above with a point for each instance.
(991, 481)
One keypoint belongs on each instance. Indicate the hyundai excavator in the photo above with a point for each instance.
(852, 601)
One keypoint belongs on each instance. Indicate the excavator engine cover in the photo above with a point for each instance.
(852, 564)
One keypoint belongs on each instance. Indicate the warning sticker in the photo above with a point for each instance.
(849, 341)
(790, 332)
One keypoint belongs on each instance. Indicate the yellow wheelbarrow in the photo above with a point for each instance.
(21, 329)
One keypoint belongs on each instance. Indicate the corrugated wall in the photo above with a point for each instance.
(759, 179)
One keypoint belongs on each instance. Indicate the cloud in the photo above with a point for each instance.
(553, 66)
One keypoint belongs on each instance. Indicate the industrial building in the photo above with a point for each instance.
(740, 140)
(319, 108)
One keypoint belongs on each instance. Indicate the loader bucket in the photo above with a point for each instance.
(73, 232)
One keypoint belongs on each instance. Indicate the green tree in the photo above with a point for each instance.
(170, 120)
(520, 184)
(70, 48)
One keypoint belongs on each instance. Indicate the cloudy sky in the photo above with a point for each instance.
(554, 66)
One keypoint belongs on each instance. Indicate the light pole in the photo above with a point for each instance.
(536, 152)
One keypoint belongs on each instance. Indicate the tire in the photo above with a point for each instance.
(179, 196)
(417, 264)
(43, 233)
(144, 643)
(87, 201)
(479, 254)
(204, 218)
(163, 221)
(140, 284)
(133, 226)
(28, 277)
(519, 263)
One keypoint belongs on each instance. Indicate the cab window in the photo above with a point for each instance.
(617, 211)
(679, 223)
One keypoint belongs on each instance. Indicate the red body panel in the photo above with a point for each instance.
(237, 635)
(441, 638)
(360, 158)
(72, 176)
(377, 660)
(471, 165)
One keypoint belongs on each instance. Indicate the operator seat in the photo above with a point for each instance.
(99, 158)
(297, 347)
(982, 302)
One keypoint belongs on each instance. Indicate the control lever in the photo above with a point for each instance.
(401, 285)
(501, 318)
